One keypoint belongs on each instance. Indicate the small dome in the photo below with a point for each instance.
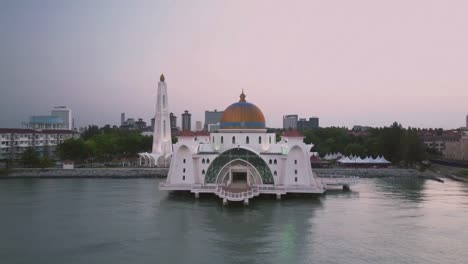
(242, 115)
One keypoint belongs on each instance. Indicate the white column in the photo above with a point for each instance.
(162, 139)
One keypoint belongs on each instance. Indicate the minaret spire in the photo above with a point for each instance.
(242, 97)
(162, 140)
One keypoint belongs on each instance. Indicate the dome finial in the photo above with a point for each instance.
(162, 78)
(242, 97)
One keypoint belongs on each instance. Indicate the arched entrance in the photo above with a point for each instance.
(240, 158)
(238, 175)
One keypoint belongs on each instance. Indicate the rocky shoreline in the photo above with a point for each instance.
(370, 173)
(162, 173)
(121, 173)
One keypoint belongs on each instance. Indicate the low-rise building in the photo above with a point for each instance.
(457, 149)
(14, 141)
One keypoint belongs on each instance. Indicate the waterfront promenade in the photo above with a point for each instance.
(162, 172)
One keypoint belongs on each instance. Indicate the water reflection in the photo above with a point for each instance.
(405, 188)
(131, 221)
(270, 230)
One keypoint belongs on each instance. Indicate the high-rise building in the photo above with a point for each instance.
(290, 122)
(122, 119)
(186, 121)
(46, 122)
(173, 121)
(60, 118)
(198, 126)
(152, 124)
(212, 118)
(304, 124)
(66, 115)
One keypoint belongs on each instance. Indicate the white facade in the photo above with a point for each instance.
(162, 138)
(14, 141)
(287, 161)
(242, 160)
(65, 114)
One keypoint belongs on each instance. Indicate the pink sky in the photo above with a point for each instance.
(347, 62)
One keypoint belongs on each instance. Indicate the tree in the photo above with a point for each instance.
(355, 149)
(30, 158)
(73, 149)
(90, 132)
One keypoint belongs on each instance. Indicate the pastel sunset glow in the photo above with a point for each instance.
(361, 62)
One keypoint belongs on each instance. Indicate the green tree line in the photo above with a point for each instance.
(399, 145)
(104, 144)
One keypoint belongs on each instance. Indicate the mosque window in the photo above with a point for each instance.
(164, 100)
(270, 139)
(275, 162)
(183, 170)
(203, 161)
(222, 141)
(233, 140)
(295, 161)
(183, 178)
(207, 160)
(164, 128)
(203, 172)
(259, 140)
(295, 171)
(247, 140)
(270, 161)
(213, 140)
(184, 160)
(295, 179)
(275, 173)
(195, 139)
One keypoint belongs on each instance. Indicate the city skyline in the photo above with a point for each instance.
(360, 63)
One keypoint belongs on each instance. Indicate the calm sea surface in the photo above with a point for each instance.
(130, 221)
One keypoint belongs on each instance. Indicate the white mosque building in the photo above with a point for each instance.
(237, 163)
(241, 160)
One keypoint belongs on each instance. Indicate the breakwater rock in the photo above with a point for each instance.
(87, 173)
(369, 173)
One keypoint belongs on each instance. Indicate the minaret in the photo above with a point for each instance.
(162, 139)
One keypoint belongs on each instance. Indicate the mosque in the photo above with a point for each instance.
(237, 163)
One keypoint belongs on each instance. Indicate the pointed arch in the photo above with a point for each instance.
(239, 154)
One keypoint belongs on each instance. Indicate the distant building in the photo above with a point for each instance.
(213, 127)
(290, 121)
(152, 124)
(212, 118)
(198, 126)
(64, 113)
(122, 119)
(304, 124)
(457, 149)
(46, 122)
(60, 118)
(186, 121)
(14, 141)
(466, 125)
(140, 124)
(358, 128)
(173, 120)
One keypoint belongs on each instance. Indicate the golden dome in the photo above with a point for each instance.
(242, 115)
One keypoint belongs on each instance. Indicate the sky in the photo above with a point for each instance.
(360, 62)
